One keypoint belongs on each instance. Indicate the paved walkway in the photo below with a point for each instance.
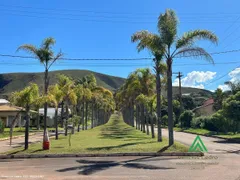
(18, 142)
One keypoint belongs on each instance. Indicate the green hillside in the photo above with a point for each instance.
(17, 81)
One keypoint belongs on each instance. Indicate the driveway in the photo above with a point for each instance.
(214, 145)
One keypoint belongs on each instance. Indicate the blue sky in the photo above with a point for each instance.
(102, 29)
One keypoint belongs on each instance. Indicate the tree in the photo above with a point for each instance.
(153, 43)
(178, 47)
(231, 110)
(46, 56)
(55, 97)
(218, 99)
(69, 96)
(234, 86)
(26, 98)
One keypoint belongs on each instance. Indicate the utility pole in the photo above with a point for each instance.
(180, 75)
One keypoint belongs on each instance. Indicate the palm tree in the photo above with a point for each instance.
(234, 86)
(26, 98)
(69, 96)
(55, 97)
(171, 46)
(46, 56)
(153, 43)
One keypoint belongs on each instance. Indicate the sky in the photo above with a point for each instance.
(102, 29)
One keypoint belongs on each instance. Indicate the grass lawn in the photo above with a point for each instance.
(209, 133)
(113, 137)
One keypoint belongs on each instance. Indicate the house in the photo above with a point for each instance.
(206, 109)
(50, 115)
(9, 112)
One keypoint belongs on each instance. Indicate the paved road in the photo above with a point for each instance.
(214, 145)
(221, 163)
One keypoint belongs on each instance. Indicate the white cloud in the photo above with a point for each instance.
(224, 87)
(196, 79)
(234, 75)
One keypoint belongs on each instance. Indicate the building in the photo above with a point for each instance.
(9, 112)
(206, 109)
(50, 115)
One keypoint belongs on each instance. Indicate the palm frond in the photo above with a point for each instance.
(48, 42)
(195, 52)
(189, 38)
(147, 40)
(57, 57)
(28, 48)
(167, 26)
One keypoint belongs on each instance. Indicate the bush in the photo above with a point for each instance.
(221, 124)
(2, 126)
(186, 118)
(199, 122)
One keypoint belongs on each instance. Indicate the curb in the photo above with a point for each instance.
(28, 156)
(15, 137)
(213, 136)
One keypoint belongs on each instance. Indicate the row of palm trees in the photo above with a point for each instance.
(67, 93)
(166, 46)
(136, 100)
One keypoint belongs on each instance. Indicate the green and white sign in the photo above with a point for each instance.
(197, 146)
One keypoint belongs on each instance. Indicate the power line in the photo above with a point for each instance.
(117, 59)
(222, 76)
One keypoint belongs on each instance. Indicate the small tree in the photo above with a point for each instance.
(26, 98)
(186, 118)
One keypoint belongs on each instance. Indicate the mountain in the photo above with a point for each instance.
(17, 81)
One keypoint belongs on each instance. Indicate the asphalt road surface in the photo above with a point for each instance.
(222, 162)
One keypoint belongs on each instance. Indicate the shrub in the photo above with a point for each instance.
(221, 124)
(199, 122)
(186, 118)
(2, 126)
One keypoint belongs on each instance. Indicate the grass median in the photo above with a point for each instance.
(113, 137)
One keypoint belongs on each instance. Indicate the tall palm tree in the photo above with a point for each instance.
(55, 97)
(46, 56)
(171, 46)
(26, 98)
(152, 42)
(69, 95)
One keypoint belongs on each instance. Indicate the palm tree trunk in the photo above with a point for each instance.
(79, 121)
(45, 104)
(27, 127)
(158, 88)
(66, 123)
(62, 111)
(143, 120)
(146, 119)
(83, 116)
(92, 115)
(170, 106)
(136, 117)
(151, 120)
(56, 123)
(86, 116)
